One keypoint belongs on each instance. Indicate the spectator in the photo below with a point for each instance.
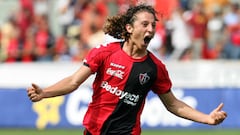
(44, 40)
(198, 24)
(215, 38)
(61, 50)
(9, 46)
(207, 21)
(90, 29)
(215, 27)
(231, 21)
(93, 20)
(180, 34)
(66, 12)
(24, 17)
(27, 52)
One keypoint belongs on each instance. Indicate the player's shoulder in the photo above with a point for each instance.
(156, 60)
(105, 49)
(112, 46)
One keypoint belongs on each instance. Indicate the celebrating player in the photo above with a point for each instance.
(125, 72)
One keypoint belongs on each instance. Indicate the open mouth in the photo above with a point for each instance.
(147, 39)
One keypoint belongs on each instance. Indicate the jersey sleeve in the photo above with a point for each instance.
(163, 83)
(94, 59)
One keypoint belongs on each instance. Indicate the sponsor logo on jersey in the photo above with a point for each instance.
(127, 97)
(143, 78)
(117, 65)
(116, 73)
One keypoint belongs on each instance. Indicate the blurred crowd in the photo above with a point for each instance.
(187, 30)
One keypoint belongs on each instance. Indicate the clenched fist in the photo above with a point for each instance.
(35, 93)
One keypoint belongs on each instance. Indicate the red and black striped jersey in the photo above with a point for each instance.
(120, 88)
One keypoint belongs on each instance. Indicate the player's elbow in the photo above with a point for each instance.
(70, 84)
(73, 86)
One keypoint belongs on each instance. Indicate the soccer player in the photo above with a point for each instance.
(125, 72)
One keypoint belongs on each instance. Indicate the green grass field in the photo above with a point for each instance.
(145, 132)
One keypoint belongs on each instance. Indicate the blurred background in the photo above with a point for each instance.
(43, 41)
(65, 30)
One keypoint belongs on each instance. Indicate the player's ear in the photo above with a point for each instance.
(129, 28)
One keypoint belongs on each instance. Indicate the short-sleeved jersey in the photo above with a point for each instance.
(120, 88)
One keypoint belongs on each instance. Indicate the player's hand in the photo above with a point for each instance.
(217, 116)
(34, 93)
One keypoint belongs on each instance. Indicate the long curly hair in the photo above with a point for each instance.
(115, 25)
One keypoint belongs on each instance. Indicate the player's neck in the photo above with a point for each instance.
(133, 51)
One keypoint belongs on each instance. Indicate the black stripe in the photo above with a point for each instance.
(123, 118)
(86, 132)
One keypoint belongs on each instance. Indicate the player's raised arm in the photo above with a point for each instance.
(183, 110)
(64, 86)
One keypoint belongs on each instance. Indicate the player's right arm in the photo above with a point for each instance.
(63, 87)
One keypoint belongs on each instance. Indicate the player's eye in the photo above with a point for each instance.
(154, 25)
(145, 24)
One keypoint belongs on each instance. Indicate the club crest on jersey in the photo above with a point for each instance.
(143, 78)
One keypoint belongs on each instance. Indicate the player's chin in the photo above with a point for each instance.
(145, 44)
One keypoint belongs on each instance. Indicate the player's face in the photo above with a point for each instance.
(143, 29)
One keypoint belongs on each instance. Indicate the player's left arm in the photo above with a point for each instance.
(183, 110)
